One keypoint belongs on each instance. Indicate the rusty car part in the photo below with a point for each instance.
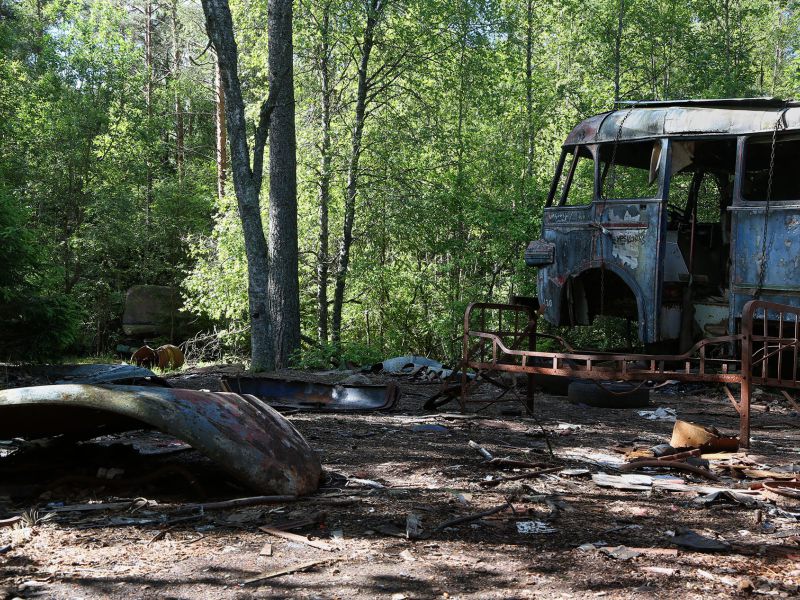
(304, 395)
(102, 374)
(253, 442)
(504, 337)
(704, 437)
(163, 357)
(169, 357)
(145, 356)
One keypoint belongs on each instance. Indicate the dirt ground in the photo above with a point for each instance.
(381, 467)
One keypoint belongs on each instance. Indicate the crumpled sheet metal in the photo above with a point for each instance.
(306, 395)
(256, 444)
(108, 374)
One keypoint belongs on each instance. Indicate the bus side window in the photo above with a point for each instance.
(628, 171)
(785, 184)
(576, 184)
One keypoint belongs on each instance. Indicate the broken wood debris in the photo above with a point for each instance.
(668, 464)
(314, 519)
(293, 537)
(527, 475)
(470, 518)
(132, 506)
(236, 503)
(289, 570)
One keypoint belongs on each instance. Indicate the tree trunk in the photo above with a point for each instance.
(323, 257)
(529, 129)
(284, 288)
(246, 180)
(373, 14)
(222, 135)
(618, 51)
(148, 98)
(176, 70)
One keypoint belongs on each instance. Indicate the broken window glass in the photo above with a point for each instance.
(576, 183)
(784, 183)
(630, 170)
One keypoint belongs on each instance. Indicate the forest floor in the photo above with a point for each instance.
(428, 471)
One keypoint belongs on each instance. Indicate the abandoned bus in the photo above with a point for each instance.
(673, 215)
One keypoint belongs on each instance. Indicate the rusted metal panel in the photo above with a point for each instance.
(642, 121)
(780, 282)
(623, 238)
(303, 395)
(241, 433)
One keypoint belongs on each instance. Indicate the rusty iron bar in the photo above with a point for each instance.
(757, 354)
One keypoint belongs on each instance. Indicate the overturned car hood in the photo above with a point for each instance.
(253, 442)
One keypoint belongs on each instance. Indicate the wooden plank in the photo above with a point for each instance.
(297, 538)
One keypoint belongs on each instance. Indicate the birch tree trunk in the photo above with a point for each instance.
(529, 129)
(222, 135)
(246, 179)
(618, 51)
(148, 99)
(177, 56)
(323, 256)
(374, 9)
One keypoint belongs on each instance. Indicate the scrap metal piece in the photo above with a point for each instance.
(707, 438)
(303, 395)
(107, 374)
(241, 433)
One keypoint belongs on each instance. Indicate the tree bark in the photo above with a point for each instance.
(246, 180)
(529, 129)
(177, 56)
(222, 135)
(374, 9)
(148, 98)
(284, 288)
(323, 257)
(618, 51)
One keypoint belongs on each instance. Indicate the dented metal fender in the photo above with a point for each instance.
(253, 442)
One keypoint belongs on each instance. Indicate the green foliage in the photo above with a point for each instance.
(37, 322)
(92, 165)
(328, 355)
(98, 194)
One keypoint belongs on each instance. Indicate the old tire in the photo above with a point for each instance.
(609, 394)
(554, 385)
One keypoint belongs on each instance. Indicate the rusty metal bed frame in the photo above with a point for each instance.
(504, 338)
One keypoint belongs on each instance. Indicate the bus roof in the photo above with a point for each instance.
(715, 117)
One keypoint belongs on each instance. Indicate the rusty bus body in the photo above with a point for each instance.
(673, 215)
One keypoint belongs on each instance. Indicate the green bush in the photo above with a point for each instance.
(37, 322)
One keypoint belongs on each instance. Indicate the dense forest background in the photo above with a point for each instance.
(427, 134)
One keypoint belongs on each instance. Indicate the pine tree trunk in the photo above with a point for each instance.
(284, 288)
